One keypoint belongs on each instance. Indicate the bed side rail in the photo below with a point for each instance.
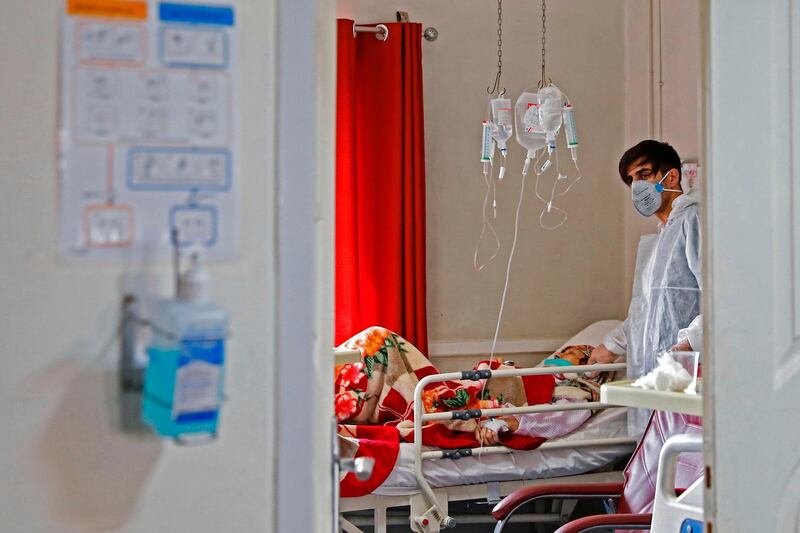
(435, 510)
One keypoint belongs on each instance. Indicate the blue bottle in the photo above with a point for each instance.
(183, 386)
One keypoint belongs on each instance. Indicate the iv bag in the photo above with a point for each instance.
(551, 105)
(502, 122)
(530, 134)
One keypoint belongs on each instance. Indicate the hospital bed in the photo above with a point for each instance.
(427, 480)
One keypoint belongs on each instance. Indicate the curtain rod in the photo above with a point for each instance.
(382, 32)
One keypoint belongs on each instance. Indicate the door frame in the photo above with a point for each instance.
(751, 265)
(305, 85)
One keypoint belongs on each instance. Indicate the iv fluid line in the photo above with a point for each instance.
(553, 194)
(549, 206)
(508, 276)
(494, 194)
(576, 180)
(505, 292)
(488, 177)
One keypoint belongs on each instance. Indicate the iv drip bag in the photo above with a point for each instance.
(551, 105)
(530, 134)
(502, 121)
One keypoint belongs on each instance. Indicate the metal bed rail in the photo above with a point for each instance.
(434, 511)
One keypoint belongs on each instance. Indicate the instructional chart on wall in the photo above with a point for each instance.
(148, 150)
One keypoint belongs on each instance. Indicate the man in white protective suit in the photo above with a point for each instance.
(664, 313)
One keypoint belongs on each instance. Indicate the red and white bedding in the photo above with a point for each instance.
(374, 403)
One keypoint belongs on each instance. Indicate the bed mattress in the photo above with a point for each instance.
(532, 464)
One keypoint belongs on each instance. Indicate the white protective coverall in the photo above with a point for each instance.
(665, 303)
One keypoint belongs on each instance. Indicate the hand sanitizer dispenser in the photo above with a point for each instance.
(183, 385)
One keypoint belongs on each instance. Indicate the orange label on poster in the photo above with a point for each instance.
(108, 8)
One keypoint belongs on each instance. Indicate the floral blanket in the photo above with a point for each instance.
(374, 401)
(379, 391)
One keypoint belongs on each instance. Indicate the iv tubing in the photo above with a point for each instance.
(487, 177)
(505, 285)
(549, 206)
(508, 276)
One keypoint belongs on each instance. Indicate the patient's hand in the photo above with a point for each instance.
(487, 437)
(602, 355)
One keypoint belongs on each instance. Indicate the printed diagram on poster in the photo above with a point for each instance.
(149, 121)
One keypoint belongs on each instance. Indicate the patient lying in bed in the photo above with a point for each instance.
(380, 390)
(569, 388)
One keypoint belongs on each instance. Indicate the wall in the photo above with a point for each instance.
(66, 466)
(561, 280)
(662, 90)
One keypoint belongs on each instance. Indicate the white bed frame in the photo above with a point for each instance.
(429, 506)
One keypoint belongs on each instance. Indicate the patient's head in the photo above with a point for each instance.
(576, 355)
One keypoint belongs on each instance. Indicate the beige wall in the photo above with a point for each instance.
(561, 280)
(670, 111)
(66, 467)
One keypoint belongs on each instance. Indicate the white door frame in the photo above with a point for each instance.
(752, 265)
(304, 136)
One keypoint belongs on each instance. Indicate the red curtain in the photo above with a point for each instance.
(380, 183)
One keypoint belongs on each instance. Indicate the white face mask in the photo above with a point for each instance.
(646, 196)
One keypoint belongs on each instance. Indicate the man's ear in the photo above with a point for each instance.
(673, 179)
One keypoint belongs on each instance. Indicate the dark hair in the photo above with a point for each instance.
(661, 155)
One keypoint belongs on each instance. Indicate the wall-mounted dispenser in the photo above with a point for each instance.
(183, 382)
(175, 385)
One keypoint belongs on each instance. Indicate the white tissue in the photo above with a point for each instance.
(669, 375)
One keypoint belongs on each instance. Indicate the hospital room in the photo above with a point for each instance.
(426, 265)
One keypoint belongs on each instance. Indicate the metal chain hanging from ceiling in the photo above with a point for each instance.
(496, 87)
(545, 80)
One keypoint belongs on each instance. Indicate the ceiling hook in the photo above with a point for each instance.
(492, 90)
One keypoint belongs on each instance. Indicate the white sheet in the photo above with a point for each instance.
(533, 464)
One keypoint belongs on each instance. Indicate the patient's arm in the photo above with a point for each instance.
(548, 425)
